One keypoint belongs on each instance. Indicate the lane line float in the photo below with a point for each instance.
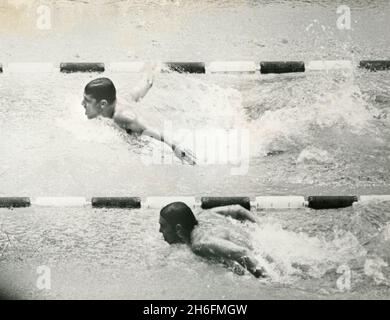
(212, 202)
(375, 65)
(232, 67)
(281, 67)
(331, 202)
(14, 202)
(116, 202)
(321, 65)
(70, 67)
(185, 67)
(60, 201)
(280, 202)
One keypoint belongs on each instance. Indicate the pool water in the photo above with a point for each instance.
(308, 134)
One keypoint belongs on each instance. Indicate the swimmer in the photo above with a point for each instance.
(100, 100)
(212, 237)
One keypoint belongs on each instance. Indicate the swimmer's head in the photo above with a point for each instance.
(177, 222)
(98, 95)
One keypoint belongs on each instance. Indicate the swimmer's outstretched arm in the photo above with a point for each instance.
(236, 212)
(216, 247)
(131, 122)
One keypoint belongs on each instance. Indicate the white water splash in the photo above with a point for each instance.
(314, 155)
(286, 255)
(343, 109)
(75, 123)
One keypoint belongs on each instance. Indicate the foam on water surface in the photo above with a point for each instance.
(289, 255)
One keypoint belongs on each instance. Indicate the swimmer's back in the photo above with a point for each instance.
(214, 225)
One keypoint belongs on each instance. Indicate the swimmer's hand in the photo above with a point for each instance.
(259, 273)
(149, 78)
(244, 214)
(145, 84)
(251, 265)
(151, 69)
(184, 155)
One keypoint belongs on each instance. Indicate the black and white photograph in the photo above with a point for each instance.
(214, 150)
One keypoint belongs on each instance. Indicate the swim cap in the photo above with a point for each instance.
(179, 213)
(101, 88)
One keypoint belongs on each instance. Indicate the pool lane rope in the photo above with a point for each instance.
(264, 67)
(259, 203)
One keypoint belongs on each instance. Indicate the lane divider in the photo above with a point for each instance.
(187, 67)
(14, 202)
(374, 198)
(212, 202)
(28, 67)
(116, 202)
(260, 202)
(69, 67)
(60, 201)
(232, 67)
(264, 67)
(319, 65)
(282, 67)
(375, 65)
(280, 202)
(160, 202)
(331, 202)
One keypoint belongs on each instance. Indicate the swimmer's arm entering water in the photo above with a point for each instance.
(127, 120)
(146, 83)
(216, 247)
(235, 211)
(142, 88)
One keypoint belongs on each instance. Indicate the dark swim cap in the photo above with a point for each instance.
(179, 213)
(101, 88)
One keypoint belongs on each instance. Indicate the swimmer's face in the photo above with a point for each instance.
(92, 107)
(168, 231)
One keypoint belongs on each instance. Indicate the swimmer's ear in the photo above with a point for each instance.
(103, 103)
(179, 230)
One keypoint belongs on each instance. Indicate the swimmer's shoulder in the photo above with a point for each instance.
(207, 221)
(199, 238)
(208, 215)
(124, 113)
